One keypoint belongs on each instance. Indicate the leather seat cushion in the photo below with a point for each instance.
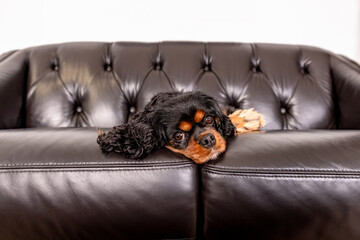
(56, 183)
(285, 185)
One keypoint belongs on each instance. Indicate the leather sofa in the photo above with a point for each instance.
(299, 179)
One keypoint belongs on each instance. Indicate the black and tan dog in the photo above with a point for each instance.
(190, 123)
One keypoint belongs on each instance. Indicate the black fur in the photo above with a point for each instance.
(152, 128)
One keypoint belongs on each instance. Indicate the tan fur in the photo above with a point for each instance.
(185, 126)
(199, 153)
(199, 115)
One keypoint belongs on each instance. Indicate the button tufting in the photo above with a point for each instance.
(255, 61)
(55, 64)
(283, 110)
(305, 70)
(159, 62)
(207, 61)
(79, 109)
(107, 64)
(132, 109)
(304, 65)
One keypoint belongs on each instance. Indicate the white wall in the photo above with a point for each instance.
(331, 24)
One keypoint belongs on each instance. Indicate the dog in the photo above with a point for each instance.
(190, 123)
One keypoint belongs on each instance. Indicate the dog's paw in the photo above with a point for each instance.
(247, 120)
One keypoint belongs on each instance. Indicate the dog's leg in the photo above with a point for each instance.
(246, 120)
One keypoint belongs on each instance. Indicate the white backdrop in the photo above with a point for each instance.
(331, 24)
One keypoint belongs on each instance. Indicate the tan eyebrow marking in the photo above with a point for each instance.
(185, 126)
(199, 115)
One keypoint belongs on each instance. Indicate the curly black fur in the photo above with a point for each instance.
(134, 140)
(153, 127)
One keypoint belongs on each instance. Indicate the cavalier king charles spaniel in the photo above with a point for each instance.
(191, 124)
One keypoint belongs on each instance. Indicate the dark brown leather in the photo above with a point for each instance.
(13, 70)
(285, 185)
(56, 184)
(102, 84)
(345, 75)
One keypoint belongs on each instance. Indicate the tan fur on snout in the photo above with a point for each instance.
(200, 154)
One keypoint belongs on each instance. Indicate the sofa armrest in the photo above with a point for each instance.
(13, 72)
(346, 79)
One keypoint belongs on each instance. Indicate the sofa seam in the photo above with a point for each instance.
(186, 238)
(9, 55)
(343, 59)
(283, 176)
(264, 170)
(149, 169)
(89, 163)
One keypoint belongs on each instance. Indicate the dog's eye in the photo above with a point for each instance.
(179, 136)
(209, 120)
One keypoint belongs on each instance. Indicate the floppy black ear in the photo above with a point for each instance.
(133, 139)
(224, 124)
(227, 129)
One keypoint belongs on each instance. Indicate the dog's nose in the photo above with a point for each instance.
(208, 140)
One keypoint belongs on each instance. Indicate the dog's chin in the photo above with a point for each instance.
(213, 155)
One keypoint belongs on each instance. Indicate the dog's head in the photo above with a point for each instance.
(191, 124)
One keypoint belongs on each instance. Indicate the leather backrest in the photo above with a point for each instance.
(103, 84)
(13, 69)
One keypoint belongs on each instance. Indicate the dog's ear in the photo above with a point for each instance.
(223, 123)
(134, 140)
(225, 126)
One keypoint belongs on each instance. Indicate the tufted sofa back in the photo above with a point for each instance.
(103, 84)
